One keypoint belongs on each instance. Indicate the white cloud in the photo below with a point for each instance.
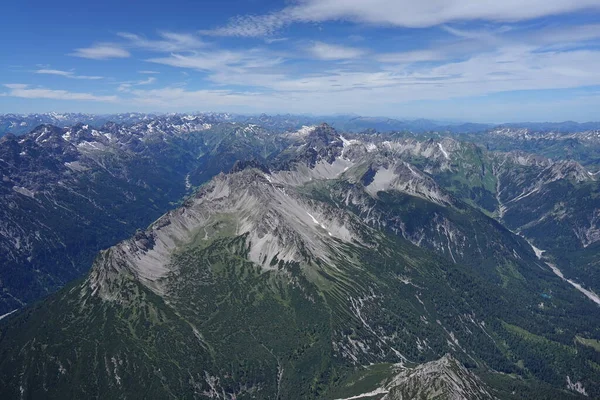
(325, 51)
(388, 92)
(126, 86)
(66, 74)
(54, 72)
(147, 81)
(180, 98)
(564, 37)
(510, 68)
(220, 60)
(210, 61)
(252, 25)
(404, 13)
(169, 42)
(101, 52)
(272, 40)
(458, 63)
(27, 92)
(464, 44)
(412, 56)
(15, 85)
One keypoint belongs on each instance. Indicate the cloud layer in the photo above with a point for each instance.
(101, 52)
(374, 57)
(27, 92)
(400, 13)
(67, 74)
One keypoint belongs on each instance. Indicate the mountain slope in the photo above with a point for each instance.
(554, 204)
(269, 284)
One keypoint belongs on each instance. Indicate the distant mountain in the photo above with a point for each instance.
(560, 127)
(581, 146)
(353, 123)
(66, 193)
(338, 267)
(21, 124)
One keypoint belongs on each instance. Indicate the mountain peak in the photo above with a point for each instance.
(241, 165)
(323, 135)
(276, 222)
(446, 376)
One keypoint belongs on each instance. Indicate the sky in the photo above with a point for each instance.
(459, 60)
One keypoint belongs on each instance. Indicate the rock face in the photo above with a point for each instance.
(277, 223)
(444, 379)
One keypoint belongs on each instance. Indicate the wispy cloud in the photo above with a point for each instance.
(271, 40)
(66, 74)
(220, 60)
(563, 37)
(507, 69)
(412, 56)
(253, 25)
(325, 51)
(101, 52)
(403, 13)
(168, 42)
(28, 92)
(180, 98)
(474, 49)
(126, 86)
(511, 68)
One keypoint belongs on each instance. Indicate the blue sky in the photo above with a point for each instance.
(492, 61)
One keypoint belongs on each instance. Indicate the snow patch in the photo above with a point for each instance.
(24, 191)
(318, 223)
(588, 293)
(371, 147)
(76, 166)
(369, 394)
(304, 131)
(347, 142)
(443, 151)
(539, 253)
(188, 184)
(90, 146)
(576, 386)
(7, 314)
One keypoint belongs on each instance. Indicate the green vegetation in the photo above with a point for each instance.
(593, 343)
(227, 325)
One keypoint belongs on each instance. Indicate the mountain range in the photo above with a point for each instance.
(23, 123)
(259, 259)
